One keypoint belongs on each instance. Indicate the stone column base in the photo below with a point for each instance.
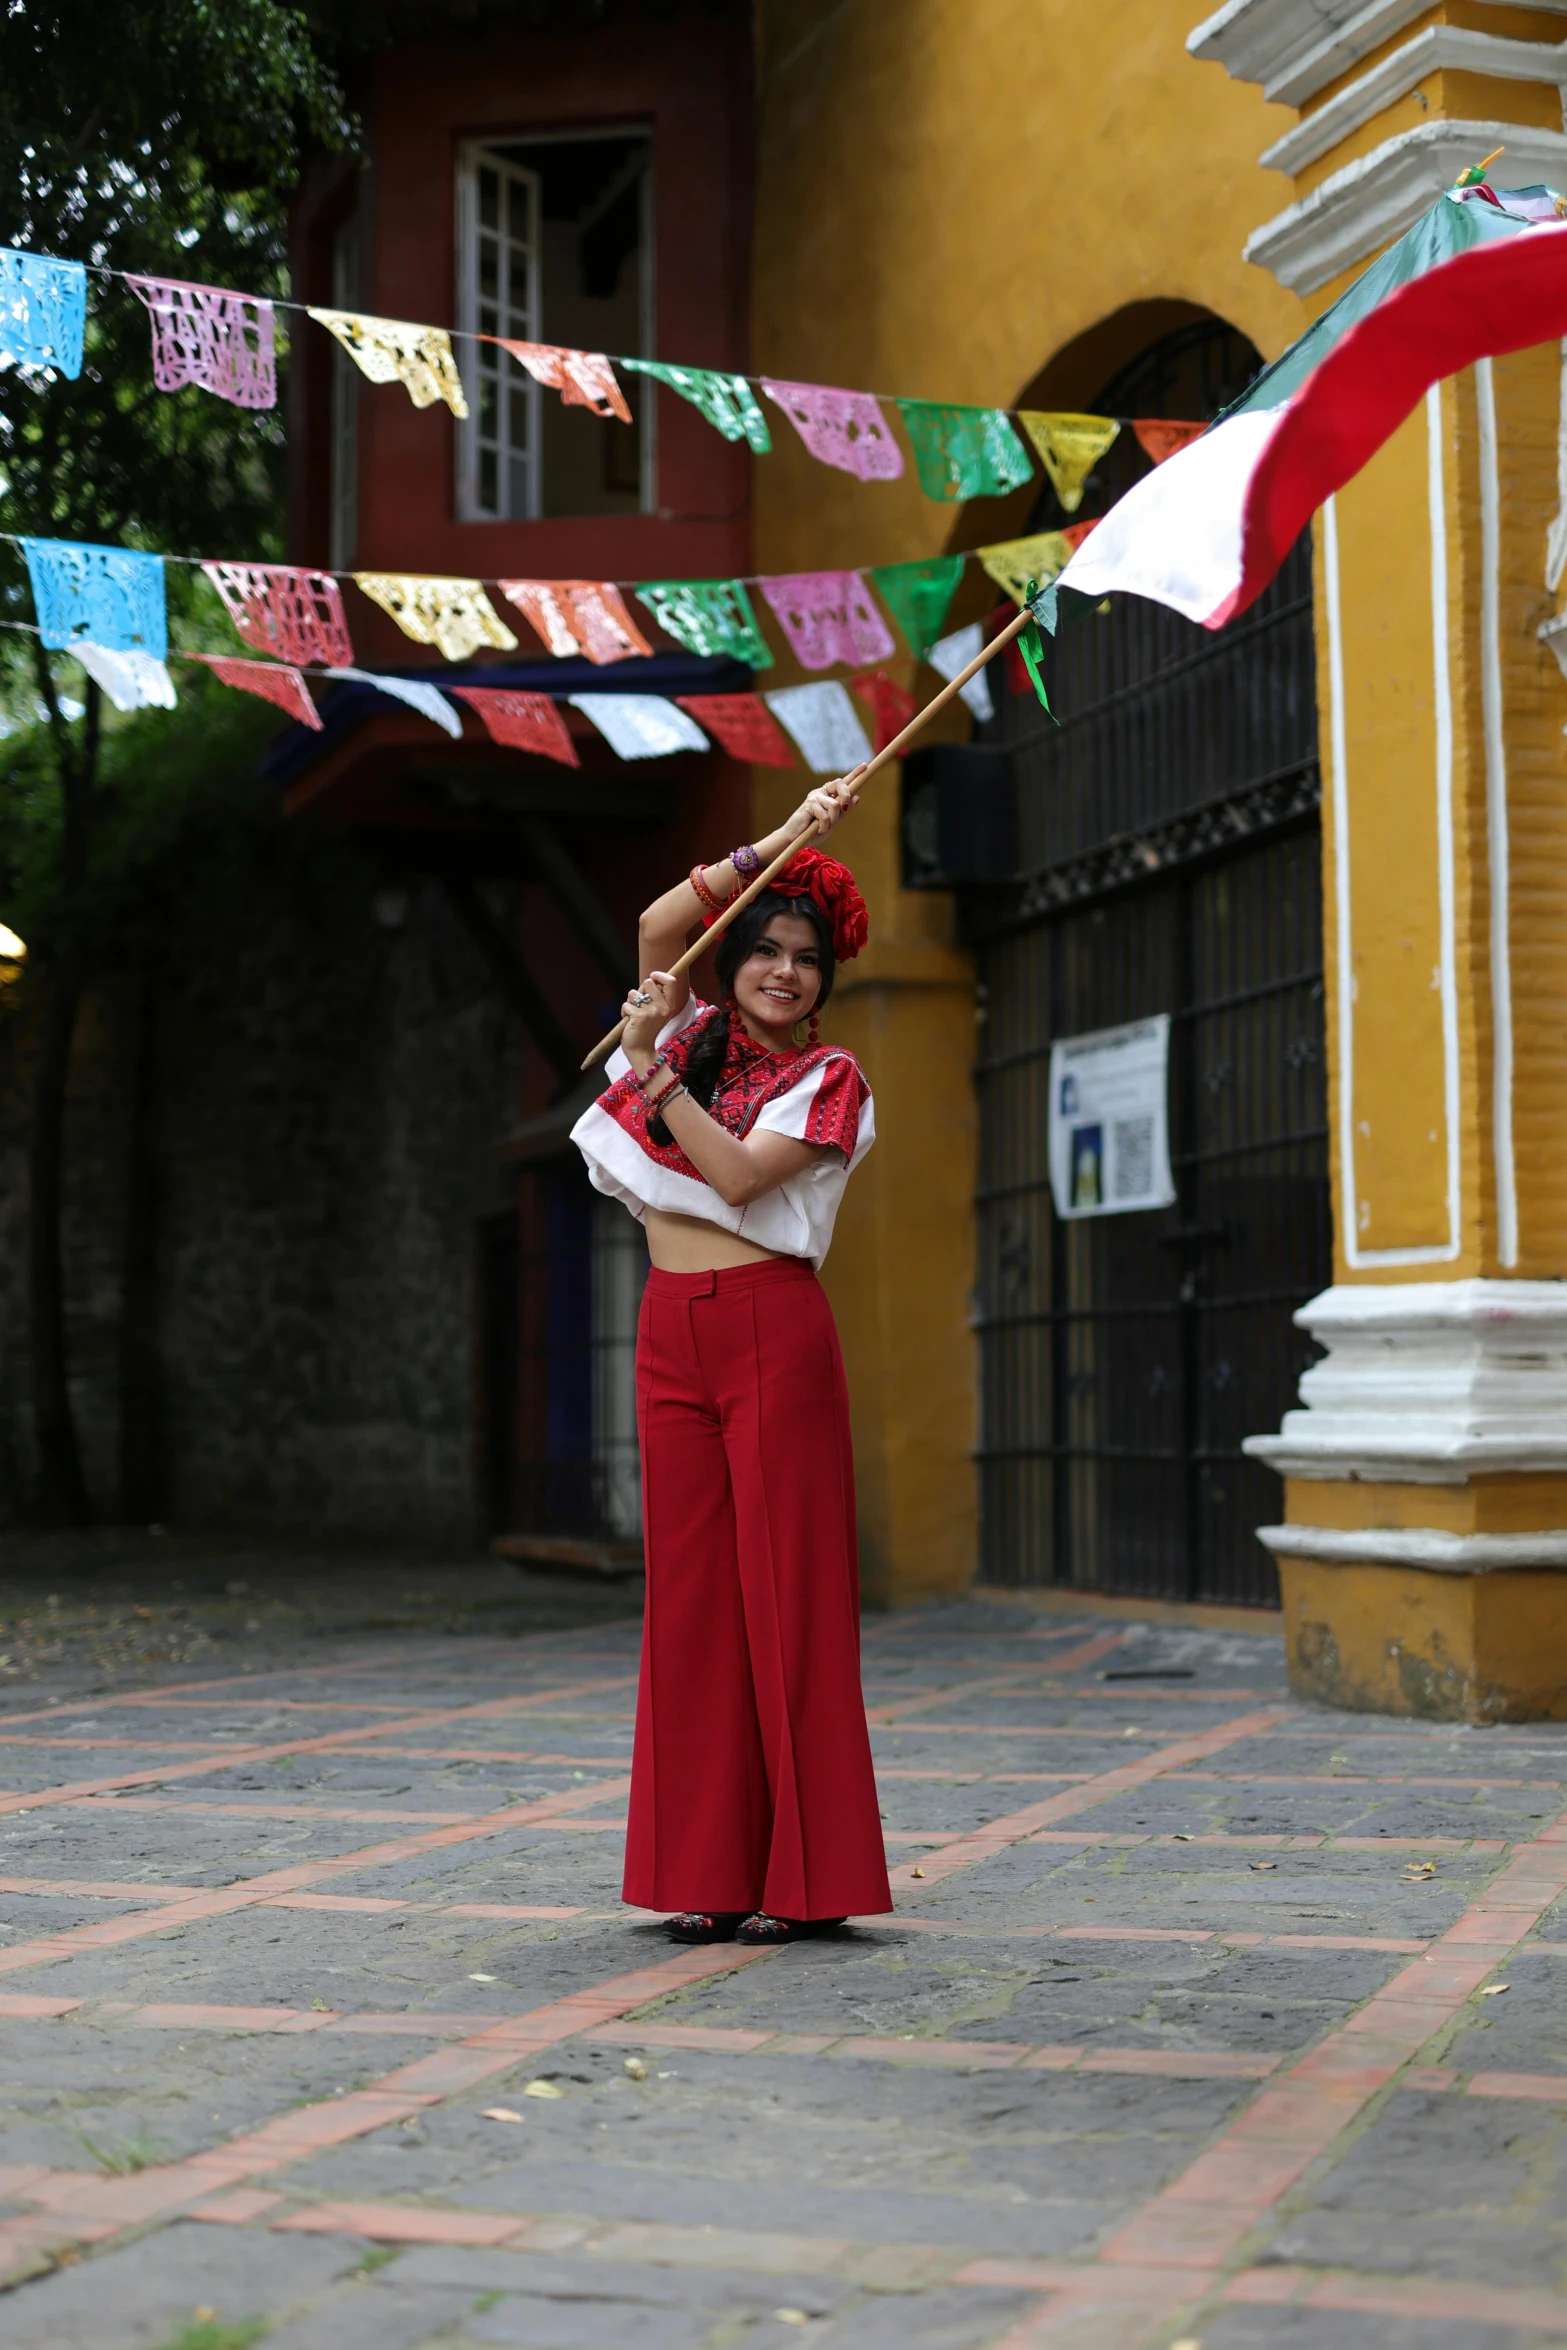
(1488, 1647)
(1424, 1558)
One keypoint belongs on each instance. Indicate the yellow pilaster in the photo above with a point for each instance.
(1425, 1542)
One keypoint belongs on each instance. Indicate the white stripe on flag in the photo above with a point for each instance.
(1177, 536)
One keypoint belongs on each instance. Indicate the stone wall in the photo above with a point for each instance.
(323, 1103)
(94, 1237)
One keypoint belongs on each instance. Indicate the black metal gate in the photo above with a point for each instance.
(1169, 863)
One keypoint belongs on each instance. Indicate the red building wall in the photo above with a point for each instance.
(684, 77)
(686, 80)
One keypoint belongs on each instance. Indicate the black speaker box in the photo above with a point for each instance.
(959, 817)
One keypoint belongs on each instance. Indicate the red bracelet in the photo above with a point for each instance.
(704, 894)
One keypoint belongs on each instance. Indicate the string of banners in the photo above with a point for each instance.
(107, 606)
(820, 722)
(225, 343)
(114, 599)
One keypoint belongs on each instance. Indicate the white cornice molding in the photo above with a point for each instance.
(1417, 1546)
(1429, 1382)
(1436, 47)
(1358, 210)
(1294, 48)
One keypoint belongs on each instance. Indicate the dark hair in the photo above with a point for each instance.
(706, 1058)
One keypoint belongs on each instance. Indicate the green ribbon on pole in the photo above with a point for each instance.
(1041, 604)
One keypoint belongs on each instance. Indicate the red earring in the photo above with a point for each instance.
(812, 1030)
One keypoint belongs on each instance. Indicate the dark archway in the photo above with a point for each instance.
(1190, 372)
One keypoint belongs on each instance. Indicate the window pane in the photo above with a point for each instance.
(489, 478)
(541, 457)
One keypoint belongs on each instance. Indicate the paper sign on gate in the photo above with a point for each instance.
(1109, 1121)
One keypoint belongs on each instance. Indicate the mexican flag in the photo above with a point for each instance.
(1483, 272)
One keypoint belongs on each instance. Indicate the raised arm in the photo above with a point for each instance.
(669, 921)
(739, 1170)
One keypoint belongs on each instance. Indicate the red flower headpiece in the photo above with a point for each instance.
(810, 874)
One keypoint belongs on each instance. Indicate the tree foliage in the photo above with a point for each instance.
(170, 784)
(163, 137)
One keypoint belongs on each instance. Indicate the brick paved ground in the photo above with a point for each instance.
(319, 2016)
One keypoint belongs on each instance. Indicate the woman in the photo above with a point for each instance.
(730, 1130)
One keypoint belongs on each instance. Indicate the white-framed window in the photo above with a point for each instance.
(498, 256)
(553, 246)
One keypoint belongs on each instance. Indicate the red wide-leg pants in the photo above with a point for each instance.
(751, 1780)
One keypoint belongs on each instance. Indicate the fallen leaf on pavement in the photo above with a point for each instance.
(636, 2068)
(1263, 1864)
(1495, 1990)
(916, 1872)
(481, 1978)
(501, 2113)
(543, 2089)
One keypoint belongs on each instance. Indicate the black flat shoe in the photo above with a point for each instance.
(762, 1928)
(703, 1925)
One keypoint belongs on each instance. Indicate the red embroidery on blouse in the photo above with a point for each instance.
(751, 1077)
(834, 1114)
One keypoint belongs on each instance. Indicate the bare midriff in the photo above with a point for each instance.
(690, 1244)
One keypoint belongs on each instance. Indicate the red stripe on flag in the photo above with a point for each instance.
(1481, 304)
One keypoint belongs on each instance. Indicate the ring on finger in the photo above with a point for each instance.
(641, 998)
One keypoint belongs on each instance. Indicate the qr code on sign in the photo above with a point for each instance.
(1132, 1157)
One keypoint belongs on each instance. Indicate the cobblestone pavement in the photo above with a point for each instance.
(322, 2025)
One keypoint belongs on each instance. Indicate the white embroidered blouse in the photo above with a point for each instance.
(816, 1094)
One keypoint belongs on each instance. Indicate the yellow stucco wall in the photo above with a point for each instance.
(1511, 1504)
(951, 198)
(1398, 1100)
(950, 194)
(1401, 1640)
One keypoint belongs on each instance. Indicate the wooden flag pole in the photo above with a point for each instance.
(883, 758)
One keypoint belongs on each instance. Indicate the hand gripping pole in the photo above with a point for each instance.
(883, 758)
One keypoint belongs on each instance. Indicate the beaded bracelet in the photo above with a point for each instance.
(746, 862)
(661, 1102)
(704, 894)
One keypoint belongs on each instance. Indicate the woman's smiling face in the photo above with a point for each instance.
(780, 980)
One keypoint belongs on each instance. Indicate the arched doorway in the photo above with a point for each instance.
(1168, 863)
